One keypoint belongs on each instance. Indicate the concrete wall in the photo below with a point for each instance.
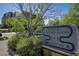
(8, 34)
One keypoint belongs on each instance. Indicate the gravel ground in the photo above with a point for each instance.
(4, 48)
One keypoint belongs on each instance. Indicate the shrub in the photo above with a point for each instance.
(3, 38)
(29, 46)
(12, 42)
(25, 45)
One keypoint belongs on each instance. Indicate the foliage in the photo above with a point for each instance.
(72, 17)
(29, 46)
(12, 42)
(70, 20)
(18, 27)
(41, 12)
(3, 38)
(35, 22)
(15, 24)
(24, 45)
(53, 22)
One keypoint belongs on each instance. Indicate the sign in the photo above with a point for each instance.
(63, 38)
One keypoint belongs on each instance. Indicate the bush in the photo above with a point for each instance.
(12, 43)
(3, 38)
(29, 46)
(25, 45)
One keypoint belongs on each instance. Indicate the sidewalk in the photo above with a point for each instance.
(4, 48)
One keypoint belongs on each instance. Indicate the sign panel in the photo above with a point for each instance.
(61, 37)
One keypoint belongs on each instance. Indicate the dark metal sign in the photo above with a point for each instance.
(61, 37)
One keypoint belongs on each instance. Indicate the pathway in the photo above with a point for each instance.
(4, 48)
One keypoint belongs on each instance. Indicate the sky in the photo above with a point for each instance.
(6, 7)
(9, 7)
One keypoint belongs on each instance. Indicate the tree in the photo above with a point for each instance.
(15, 24)
(73, 16)
(35, 22)
(41, 11)
(53, 22)
(8, 15)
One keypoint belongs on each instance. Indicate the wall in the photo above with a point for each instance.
(8, 34)
(47, 51)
